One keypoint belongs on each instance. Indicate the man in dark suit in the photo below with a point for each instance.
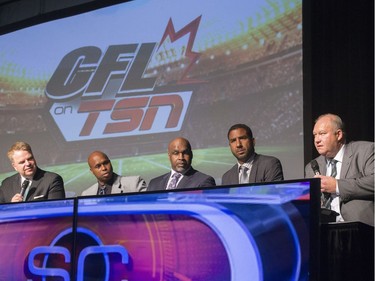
(182, 174)
(251, 167)
(109, 182)
(30, 183)
(351, 189)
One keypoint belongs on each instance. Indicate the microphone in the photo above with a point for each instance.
(326, 202)
(315, 167)
(24, 185)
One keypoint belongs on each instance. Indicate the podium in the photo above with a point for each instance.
(347, 251)
(264, 232)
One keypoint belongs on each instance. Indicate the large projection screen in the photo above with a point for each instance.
(128, 78)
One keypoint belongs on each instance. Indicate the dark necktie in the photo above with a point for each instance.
(24, 187)
(333, 168)
(327, 196)
(174, 180)
(243, 174)
(102, 190)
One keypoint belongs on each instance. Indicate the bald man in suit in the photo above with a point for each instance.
(182, 174)
(351, 190)
(109, 182)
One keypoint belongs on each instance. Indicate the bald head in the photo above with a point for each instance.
(180, 154)
(179, 141)
(100, 166)
(96, 154)
(329, 135)
(335, 120)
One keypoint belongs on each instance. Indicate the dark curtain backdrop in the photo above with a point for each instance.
(339, 65)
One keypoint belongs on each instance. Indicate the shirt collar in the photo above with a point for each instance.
(23, 179)
(248, 163)
(339, 156)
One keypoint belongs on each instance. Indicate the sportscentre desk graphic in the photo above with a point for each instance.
(258, 232)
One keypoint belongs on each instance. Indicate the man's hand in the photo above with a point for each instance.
(17, 198)
(327, 184)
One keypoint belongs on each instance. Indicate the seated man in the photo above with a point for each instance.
(182, 174)
(346, 171)
(250, 167)
(108, 181)
(30, 183)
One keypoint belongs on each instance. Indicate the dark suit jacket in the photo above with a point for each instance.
(45, 185)
(264, 169)
(356, 183)
(192, 178)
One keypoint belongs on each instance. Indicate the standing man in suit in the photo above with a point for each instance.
(351, 187)
(182, 174)
(108, 181)
(251, 167)
(30, 183)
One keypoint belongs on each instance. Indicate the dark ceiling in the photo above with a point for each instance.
(16, 14)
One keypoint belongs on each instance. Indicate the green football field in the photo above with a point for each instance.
(211, 161)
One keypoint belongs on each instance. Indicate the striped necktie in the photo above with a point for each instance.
(333, 168)
(327, 197)
(174, 180)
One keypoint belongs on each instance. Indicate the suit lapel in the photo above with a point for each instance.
(34, 184)
(234, 175)
(348, 153)
(17, 184)
(322, 165)
(33, 187)
(254, 169)
(164, 181)
(116, 186)
(186, 179)
(183, 182)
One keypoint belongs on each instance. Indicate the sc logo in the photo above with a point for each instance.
(92, 257)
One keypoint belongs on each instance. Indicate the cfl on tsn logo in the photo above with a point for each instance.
(98, 95)
(56, 258)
